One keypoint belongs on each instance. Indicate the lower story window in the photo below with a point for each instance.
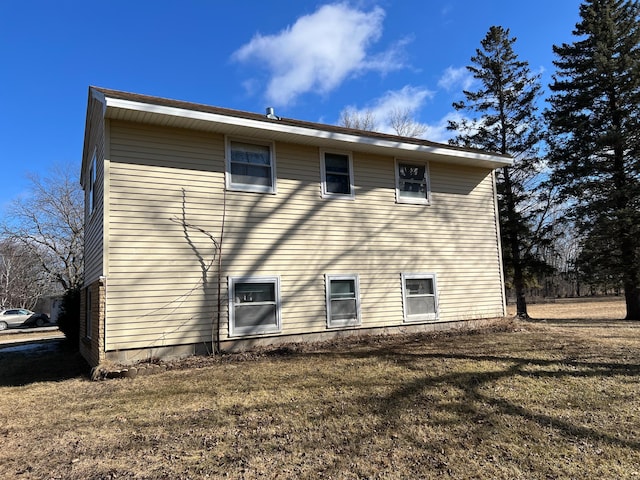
(419, 297)
(254, 305)
(343, 300)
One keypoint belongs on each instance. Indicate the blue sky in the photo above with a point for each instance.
(307, 59)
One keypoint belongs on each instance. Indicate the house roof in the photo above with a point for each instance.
(175, 113)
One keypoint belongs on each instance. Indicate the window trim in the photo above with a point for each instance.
(428, 317)
(244, 187)
(427, 175)
(323, 175)
(92, 183)
(259, 330)
(342, 323)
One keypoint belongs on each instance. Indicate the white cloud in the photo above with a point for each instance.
(455, 78)
(437, 132)
(412, 100)
(319, 51)
(408, 98)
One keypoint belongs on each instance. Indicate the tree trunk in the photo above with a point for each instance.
(518, 284)
(630, 263)
(632, 299)
(626, 237)
(631, 276)
(514, 245)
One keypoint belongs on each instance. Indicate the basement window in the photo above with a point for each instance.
(419, 295)
(343, 300)
(254, 305)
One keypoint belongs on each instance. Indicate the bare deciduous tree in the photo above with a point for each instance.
(404, 125)
(49, 224)
(350, 118)
(15, 270)
(22, 279)
(399, 120)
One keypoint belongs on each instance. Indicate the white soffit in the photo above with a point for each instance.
(129, 110)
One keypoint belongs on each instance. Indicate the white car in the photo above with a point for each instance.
(21, 317)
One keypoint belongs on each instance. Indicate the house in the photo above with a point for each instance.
(277, 230)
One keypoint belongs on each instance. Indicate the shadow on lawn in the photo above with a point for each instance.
(39, 361)
(465, 394)
(480, 406)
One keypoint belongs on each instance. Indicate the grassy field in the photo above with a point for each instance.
(553, 398)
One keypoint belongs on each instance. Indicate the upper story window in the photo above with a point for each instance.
(251, 166)
(336, 170)
(92, 183)
(412, 182)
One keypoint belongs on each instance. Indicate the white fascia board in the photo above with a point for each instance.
(495, 161)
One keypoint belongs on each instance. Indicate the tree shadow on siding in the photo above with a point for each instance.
(261, 213)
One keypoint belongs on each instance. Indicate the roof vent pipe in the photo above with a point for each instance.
(271, 113)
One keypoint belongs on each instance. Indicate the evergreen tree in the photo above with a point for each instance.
(506, 122)
(594, 121)
(593, 262)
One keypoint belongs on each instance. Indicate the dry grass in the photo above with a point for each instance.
(534, 400)
(581, 309)
(10, 336)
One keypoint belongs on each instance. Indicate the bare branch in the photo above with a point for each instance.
(350, 118)
(49, 224)
(404, 125)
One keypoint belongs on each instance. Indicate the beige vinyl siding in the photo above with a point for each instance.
(94, 223)
(162, 273)
(161, 279)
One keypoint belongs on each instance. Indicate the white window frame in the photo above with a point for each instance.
(345, 322)
(408, 199)
(323, 176)
(245, 187)
(421, 317)
(258, 330)
(91, 200)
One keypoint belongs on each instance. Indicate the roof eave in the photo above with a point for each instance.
(133, 110)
